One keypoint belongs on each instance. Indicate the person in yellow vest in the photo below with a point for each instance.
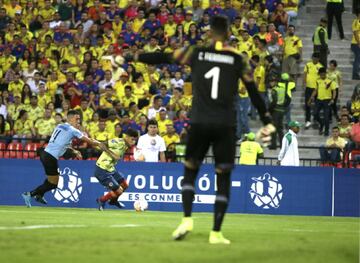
(325, 96)
(355, 46)
(250, 150)
(311, 70)
(320, 40)
(292, 53)
(279, 104)
(335, 8)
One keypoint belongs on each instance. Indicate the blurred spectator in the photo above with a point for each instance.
(289, 153)
(332, 151)
(355, 45)
(291, 8)
(355, 104)
(151, 145)
(280, 100)
(311, 71)
(250, 150)
(320, 40)
(4, 127)
(325, 95)
(243, 109)
(280, 18)
(335, 8)
(335, 75)
(292, 53)
(345, 127)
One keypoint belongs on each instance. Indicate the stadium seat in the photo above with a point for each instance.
(2, 149)
(352, 159)
(14, 150)
(30, 150)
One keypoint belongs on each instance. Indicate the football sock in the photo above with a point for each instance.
(108, 196)
(188, 190)
(124, 185)
(222, 199)
(42, 189)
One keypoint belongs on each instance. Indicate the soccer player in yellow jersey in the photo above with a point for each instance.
(355, 46)
(105, 170)
(309, 82)
(325, 96)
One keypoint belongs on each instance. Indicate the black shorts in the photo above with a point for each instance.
(222, 138)
(50, 163)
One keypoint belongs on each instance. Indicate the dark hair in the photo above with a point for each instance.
(322, 70)
(2, 125)
(219, 24)
(22, 112)
(291, 26)
(132, 133)
(334, 62)
(269, 58)
(255, 58)
(132, 104)
(335, 128)
(152, 122)
(72, 113)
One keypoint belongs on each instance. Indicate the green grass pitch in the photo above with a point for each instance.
(87, 235)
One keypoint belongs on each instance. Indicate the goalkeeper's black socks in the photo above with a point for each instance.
(222, 199)
(42, 189)
(188, 190)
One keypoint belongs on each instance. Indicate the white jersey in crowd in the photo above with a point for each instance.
(150, 147)
(289, 153)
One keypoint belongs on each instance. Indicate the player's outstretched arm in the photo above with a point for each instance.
(76, 152)
(180, 56)
(264, 134)
(256, 99)
(94, 143)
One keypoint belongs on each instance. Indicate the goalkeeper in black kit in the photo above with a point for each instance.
(216, 70)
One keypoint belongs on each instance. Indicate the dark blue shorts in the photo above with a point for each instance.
(110, 180)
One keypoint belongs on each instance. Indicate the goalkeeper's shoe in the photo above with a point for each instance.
(27, 198)
(216, 237)
(40, 199)
(101, 205)
(186, 226)
(117, 204)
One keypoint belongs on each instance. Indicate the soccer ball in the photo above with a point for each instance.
(141, 205)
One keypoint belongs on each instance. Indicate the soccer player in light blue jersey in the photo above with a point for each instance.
(59, 142)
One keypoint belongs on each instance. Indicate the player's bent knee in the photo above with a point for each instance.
(53, 179)
(192, 164)
(224, 168)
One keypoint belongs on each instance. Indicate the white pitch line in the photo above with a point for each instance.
(39, 227)
(125, 226)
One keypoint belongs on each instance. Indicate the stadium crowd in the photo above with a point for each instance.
(62, 55)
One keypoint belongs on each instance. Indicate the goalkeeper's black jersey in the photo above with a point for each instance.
(215, 75)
